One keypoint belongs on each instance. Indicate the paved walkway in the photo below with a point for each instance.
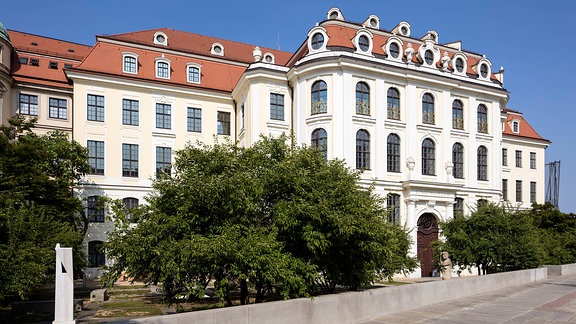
(548, 301)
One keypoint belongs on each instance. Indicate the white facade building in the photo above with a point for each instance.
(426, 121)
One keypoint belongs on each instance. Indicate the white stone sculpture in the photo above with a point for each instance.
(64, 289)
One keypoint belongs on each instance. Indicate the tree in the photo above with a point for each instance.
(37, 205)
(494, 239)
(557, 233)
(271, 215)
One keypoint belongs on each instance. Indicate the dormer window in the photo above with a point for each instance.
(217, 49)
(459, 63)
(404, 30)
(160, 39)
(363, 42)
(317, 39)
(394, 48)
(53, 65)
(193, 72)
(482, 68)
(516, 127)
(130, 64)
(429, 57)
(163, 68)
(335, 13)
(269, 58)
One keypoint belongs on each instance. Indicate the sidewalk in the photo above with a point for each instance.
(548, 301)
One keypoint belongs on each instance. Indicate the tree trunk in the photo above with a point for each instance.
(243, 292)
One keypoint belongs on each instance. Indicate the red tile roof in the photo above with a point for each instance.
(45, 50)
(217, 72)
(525, 129)
(343, 36)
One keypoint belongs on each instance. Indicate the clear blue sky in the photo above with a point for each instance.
(532, 40)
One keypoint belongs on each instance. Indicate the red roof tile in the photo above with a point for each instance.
(525, 129)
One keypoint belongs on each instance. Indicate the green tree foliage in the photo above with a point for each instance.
(557, 233)
(493, 238)
(37, 205)
(270, 215)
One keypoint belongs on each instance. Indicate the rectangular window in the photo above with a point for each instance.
(504, 157)
(130, 112)
(193, 74)
(53, 65)
(57, 108)
(34, 62)
(458, 207)
(163, 160)
(518, 159)
(163, 116)
(162, 70)
(23, 60)
(130, 64)
(532, 160)
(28, 105)
(276, 106)
(532, 192)
(95, 209)
(96, 157)
(129, 160)
(96, 108)
(194, 120)
(223, 123)
(67, 65)
(518, 190)
(505, 189)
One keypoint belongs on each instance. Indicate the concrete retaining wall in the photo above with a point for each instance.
(352, 307)
(561, 270)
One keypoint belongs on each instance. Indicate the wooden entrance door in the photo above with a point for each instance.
(427, 233)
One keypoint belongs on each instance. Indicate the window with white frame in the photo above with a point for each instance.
(193, 72)
(163, 69)
(194, 120)
(130, 63)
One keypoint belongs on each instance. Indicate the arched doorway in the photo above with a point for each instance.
(427, 233)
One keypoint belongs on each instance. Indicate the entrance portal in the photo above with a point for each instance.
(427, 233)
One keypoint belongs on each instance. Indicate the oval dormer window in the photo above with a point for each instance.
(459, 65)
(404, 30)
(373, 23)
(364, 43)
(160, 38)
(484, 70)
(217, 49)
(429, 57)
(317, 41)
(334, 15)
(394, 50)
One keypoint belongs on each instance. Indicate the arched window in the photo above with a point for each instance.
(428, 157)
(482, 119)
(162, 69)
(393, 104)
(130, 203)
(130, 64)
(393, 204)
(319, 97)
(482, 163)
(458, 160)
(95, 209)
(362, 150)
(362, 98)
(393, 153)
(96, 256)
(457, 115)
(427, 109)
(317, 41)
(319, 140)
